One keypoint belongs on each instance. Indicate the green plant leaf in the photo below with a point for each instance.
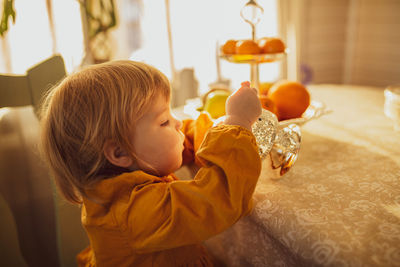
(100, 15)
(8, 11)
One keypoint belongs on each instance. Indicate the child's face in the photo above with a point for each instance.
(158, 141)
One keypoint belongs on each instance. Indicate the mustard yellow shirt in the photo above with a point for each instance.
(137, 219)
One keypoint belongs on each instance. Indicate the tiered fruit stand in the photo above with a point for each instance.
(251, 13)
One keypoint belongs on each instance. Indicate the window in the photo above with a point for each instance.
(196, 27)
(29, 41)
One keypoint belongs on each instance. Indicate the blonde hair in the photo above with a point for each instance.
(89, 107)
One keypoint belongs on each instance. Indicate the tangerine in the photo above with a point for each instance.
(268, 104)
(247, 47)
(263, 88)
(291, 99)
(229, 47)
(271, 45)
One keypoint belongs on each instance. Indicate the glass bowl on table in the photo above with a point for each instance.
(278, 146)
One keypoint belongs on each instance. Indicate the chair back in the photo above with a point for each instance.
(28, 89)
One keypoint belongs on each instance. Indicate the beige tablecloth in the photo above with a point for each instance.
(340, 204)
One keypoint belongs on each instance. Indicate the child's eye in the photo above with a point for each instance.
(165, 123)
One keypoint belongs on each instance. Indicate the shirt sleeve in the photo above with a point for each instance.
(161, 216)
(194, 131)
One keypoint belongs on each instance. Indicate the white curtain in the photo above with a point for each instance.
(196, 27)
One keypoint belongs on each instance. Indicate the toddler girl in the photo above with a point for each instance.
(112, 144)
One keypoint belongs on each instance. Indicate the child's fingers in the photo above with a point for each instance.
(245, 84)
(255, 90)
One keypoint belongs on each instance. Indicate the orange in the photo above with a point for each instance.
(271, 45)
(247, 47)
(291, 99)
(263, 88)
(268, 104)
(229, 47)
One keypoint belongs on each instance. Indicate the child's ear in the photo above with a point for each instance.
(117, 155)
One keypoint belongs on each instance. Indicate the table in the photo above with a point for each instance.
(339, 205)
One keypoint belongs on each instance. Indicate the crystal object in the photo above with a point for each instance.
(392, 105)
(286, 148)
(264, 130)
(282, 144)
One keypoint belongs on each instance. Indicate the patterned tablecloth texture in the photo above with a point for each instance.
(340, 203)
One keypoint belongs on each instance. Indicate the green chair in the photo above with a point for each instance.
(24, 90)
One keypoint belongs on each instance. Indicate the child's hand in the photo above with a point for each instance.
(243, 107)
